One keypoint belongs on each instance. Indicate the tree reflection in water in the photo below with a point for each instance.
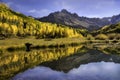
(18, 61)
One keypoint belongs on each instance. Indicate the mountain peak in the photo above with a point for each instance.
(64, 11)
(74, 20)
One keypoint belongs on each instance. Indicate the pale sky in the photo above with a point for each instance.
(88, 8)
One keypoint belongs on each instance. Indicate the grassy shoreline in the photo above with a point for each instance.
(17, 44)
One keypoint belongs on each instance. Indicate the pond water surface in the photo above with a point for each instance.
(85, 64)
(91, 71)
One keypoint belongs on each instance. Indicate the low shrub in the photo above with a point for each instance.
(101, 37)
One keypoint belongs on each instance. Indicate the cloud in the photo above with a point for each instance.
(63, 5)
(45, 11)
(32, 11)
(39, 13)
(105, 4)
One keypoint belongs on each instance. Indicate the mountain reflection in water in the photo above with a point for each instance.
(91, 71)
(88, 64)
(62, 60)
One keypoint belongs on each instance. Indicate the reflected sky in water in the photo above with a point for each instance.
(91, 71)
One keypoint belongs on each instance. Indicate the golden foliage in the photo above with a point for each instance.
(16, 24)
